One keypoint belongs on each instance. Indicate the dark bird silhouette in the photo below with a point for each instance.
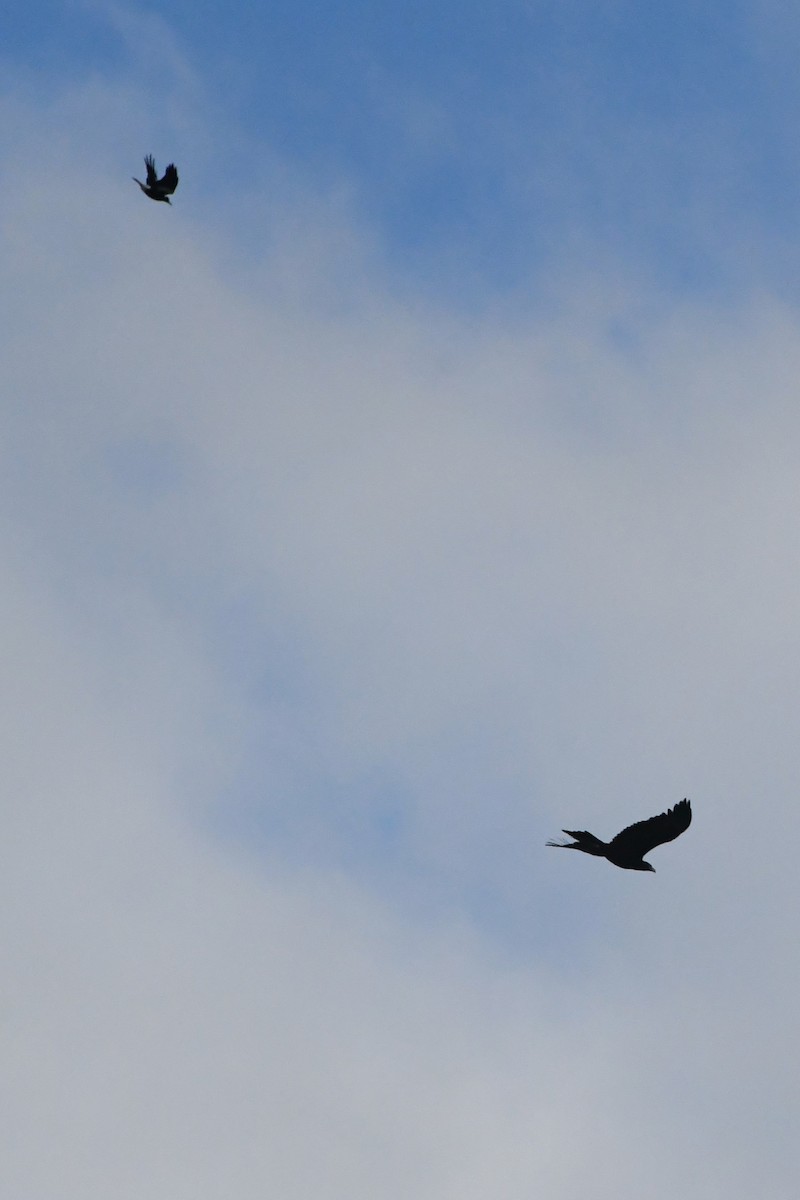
(155, 188)
(628, 848)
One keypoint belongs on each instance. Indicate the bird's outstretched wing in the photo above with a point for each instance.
(637, 840)
(152, 177)
(169, 182)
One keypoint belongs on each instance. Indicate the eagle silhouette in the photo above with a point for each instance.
(155, 188)
(627, 849)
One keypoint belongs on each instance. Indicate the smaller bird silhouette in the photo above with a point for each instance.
(155, 188)
(627, 849)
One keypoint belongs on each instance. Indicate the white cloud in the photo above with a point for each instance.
(530, 573)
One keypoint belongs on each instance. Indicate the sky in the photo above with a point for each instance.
(422, 481)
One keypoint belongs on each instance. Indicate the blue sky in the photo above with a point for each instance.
(485, 145)
(423, 480)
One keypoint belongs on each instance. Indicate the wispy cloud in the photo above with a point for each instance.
(325, 606)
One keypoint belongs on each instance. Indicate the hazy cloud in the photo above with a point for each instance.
(324, 607)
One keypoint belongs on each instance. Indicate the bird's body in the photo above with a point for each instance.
(155, 188)
(628, 848)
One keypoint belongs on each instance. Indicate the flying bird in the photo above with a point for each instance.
(155, 188)
(628, 848)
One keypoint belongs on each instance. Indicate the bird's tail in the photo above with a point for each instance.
(584, 841)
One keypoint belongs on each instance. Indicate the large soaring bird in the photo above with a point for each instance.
(155, 188)
(628, 848)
